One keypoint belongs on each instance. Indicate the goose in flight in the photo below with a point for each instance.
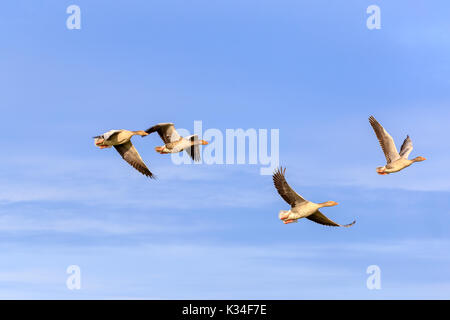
(175, 143)
(301, 208)
(395, 161)
(120, 140)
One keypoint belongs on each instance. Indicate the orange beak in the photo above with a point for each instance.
(204, 142)
(159, 149)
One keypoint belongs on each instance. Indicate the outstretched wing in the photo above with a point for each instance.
(194, 150)
(283, 188)
(108, 134)
(130, 155)
(166, 131)
(386, 141)
(406, 148)
(318, 217)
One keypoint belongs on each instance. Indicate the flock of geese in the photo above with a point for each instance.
(300, 207)
(173, 143)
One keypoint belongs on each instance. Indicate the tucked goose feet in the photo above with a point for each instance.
(100, 143)
(380, 171)
(284, 216)
(160, 150)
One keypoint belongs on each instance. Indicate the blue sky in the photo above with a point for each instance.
(309, 68)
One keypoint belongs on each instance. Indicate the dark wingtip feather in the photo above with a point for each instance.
(278, 173)
(146, 172)
(372, 120)
(349, 225)
(279, 170)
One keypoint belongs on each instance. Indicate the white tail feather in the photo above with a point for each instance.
(282, 213)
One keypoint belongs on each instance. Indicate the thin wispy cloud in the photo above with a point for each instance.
(234, 270)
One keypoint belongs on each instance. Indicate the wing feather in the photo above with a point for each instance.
(194, 150)
(131, 155)
(109, 134)
(283, 188)
(385, 140)
(166, 131)
(406, 148)
(320, 218)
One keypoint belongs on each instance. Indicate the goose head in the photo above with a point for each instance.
(197, 142)
(329, 204)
